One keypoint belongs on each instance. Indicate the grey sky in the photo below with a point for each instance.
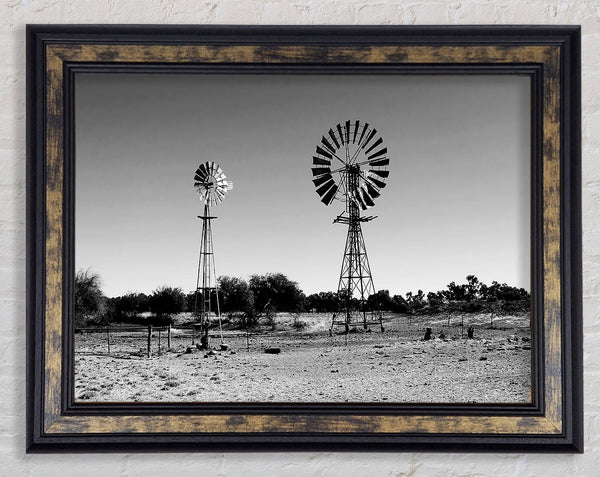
(457, 200)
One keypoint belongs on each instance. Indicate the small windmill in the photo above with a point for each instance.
(212, 185)
(350, 165)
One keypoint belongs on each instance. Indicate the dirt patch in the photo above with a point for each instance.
(395, 366)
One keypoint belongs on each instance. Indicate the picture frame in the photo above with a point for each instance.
(548, 55)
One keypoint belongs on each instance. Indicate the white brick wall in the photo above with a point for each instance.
(14, 14)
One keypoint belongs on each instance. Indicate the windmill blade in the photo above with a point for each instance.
(205, 170)
(373, 192)
(366, 197)
(334, 139)
(362, 134)
(375, 182)
(340, 132)
(322, 179)
(201, 173)
(329, 196)
(369, 137)
(347, 132)
(317, 171)
(327, 144)
(358, 199)
(324, 153)
(374, 145)
(380, 173)
(317, 161)
(325, 187)
(381, 152)
(355, 131)
(380, 162)
(210, 167)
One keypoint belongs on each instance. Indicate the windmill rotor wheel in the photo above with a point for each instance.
(352, 148)
(211, 183)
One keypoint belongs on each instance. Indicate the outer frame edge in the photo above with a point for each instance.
(36, 442)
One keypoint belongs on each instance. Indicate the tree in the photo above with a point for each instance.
(381, 301)
(276, 291)
(235, 295)
(435, 300)
(415, 302)
(400, 304)
(323, 302)
(472, 288)
(90, 303)
(130, 306)
(455, 292)
(167, 301)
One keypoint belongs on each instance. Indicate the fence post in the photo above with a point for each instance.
(169, 337)
(108, 338)
(159, 350)
(149, 339)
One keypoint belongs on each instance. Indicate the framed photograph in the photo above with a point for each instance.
(252, 238)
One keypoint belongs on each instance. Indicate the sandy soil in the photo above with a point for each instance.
(394, 366)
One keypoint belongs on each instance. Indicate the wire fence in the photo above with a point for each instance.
(148, 341)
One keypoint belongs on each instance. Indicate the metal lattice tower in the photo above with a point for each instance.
(212, 185)
(350, 164)
(356, 282)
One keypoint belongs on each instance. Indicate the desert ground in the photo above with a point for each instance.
(397, 365)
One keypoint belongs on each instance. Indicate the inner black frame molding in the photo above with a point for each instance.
(549, 55)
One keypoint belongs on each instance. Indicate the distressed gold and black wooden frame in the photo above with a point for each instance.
(549, 55)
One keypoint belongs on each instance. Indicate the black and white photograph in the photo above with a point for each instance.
(303, 238)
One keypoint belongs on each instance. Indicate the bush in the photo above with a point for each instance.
(298, 324)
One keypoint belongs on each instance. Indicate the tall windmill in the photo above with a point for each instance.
(350, 165)
(212, 185)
